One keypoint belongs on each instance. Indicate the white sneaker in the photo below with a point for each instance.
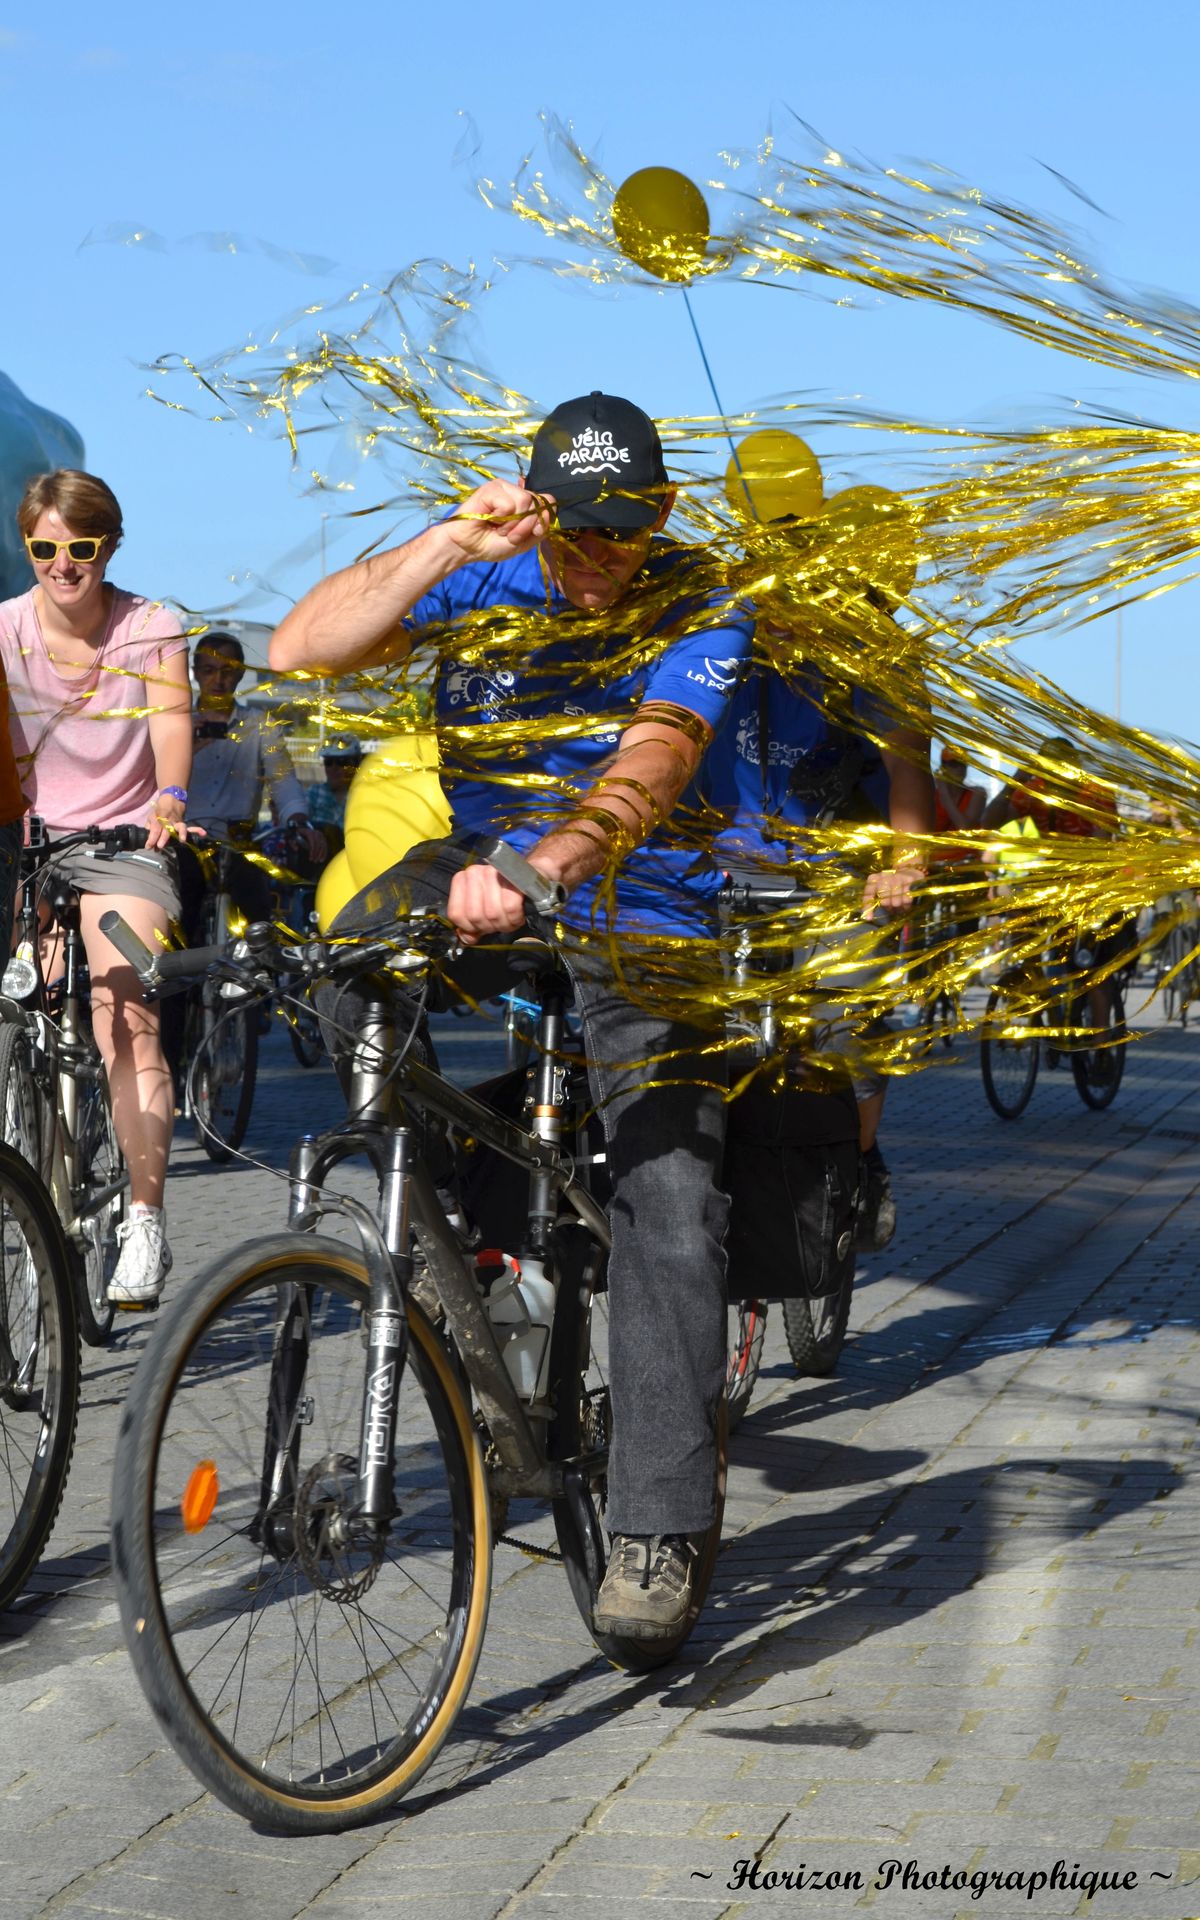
(145, 1259)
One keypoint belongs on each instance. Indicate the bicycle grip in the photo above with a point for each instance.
(181, 963)
(129, 945)
(545, 896)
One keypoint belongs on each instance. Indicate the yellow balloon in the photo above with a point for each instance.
(335, 890)
(661, 221)
(395, 801)
(775, 476)
(875, 538)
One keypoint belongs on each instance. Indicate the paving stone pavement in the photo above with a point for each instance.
(954, 1626)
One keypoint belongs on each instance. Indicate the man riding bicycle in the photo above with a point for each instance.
(574, 553)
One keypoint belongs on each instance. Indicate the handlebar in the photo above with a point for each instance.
(124, 838)
(261, 952)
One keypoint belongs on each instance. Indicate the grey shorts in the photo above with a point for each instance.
(139, 876)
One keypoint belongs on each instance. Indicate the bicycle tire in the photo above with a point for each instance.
(747, 1330)
(223, 1077)
(816, 1328)
(96, 1250)
(39, 1370)
(300, 1751)
(1009, 1065)
(304, 1032)
(1098, 1071)
(579, 1432)
(25, 1120)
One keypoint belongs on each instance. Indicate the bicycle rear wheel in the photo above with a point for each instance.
(1008, 1054)
(816, 1328)
(223, 1075)
(579, 1436)
(307, 1679)
(1098, 1069)
(747, 1330)
(39, 1370)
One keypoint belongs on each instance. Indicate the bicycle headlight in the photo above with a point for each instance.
(20, 979)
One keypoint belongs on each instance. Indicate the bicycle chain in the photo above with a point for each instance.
(523, 1546)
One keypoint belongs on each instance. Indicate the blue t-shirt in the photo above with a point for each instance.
(806, 754)
(663, 884)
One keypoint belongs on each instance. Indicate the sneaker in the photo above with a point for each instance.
(648, 1587)
(145, 1259)
(877, 1211)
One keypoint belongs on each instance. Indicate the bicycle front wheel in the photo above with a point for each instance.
(225, 1070)
(26, 1122)
(39, 1370)
(307, 1672)
(1008, 1055)
(579, 1437)
(304, 1032)
(1098, 1065)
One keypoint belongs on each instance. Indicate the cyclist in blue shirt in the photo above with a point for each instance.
(792, 757)
(573, 549)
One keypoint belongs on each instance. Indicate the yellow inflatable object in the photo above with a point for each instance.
(395, 801)
(875, 538)
(661, 221)
(775, 476)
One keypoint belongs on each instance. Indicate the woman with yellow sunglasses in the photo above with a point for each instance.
(100, 718)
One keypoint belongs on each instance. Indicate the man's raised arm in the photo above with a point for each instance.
(355, 618)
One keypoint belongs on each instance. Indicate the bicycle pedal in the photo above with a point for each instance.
(137, 1306)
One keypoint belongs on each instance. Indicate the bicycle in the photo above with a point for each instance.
(1178, 974)
(219, 1060)
(54, 1099)
(317, 1446)
(1037, 1011)
(814, 1325)
(39, 1369)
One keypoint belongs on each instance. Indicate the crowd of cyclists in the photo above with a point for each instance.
(104, 729)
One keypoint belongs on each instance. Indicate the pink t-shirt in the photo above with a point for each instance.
(82, 741)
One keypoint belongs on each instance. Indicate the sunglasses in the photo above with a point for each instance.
(84, 551)
(615, 536)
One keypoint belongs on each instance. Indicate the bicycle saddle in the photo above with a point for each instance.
(538, 961)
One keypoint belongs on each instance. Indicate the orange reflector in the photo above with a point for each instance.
(200, 1496)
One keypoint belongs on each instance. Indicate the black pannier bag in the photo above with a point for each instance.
(792, 1173)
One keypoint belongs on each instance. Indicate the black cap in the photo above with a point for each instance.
(602, 460)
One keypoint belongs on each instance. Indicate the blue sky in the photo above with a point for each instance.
(333, 133)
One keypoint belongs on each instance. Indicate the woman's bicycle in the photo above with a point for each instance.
(54, 1102)
(39, 1369)
(325, 1432)
(1038, 1012)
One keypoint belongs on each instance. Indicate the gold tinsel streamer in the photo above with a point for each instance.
(1021, 529)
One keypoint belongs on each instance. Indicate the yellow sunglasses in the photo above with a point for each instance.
(85, 551)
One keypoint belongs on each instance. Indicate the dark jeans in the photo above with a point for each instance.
(665, 1132)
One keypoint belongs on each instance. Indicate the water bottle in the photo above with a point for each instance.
(519, 1298)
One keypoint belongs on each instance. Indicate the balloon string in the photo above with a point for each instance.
(717, 401)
